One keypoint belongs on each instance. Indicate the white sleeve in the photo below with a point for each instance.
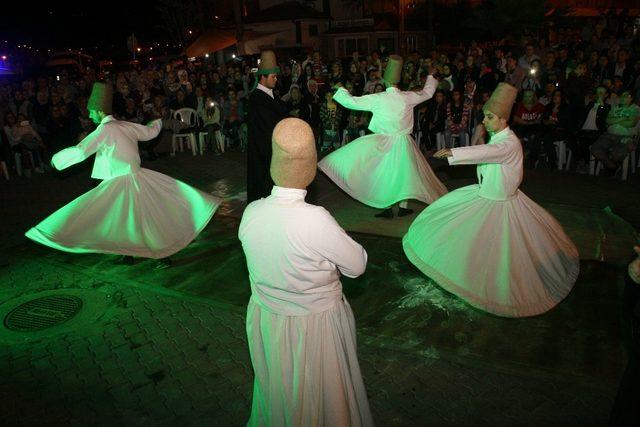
(425, 94)
(335, 245)
(360, 103)
(145, 133)
(72, 155)
(487, 153)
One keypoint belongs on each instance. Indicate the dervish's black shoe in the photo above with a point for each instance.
(404, 212)
(387, 213)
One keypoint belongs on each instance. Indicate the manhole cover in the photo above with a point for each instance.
(43, 313)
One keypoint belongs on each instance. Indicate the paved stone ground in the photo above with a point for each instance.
(158, 357)
(147, 355)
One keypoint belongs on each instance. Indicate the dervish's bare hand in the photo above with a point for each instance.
(441, 154)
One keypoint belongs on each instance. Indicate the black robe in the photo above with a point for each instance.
(264, 113)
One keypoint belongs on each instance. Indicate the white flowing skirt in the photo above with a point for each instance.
(510, 258)
(380, 170)
(306, 369)
(144, 214)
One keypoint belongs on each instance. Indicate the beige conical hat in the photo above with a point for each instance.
(101, 98)
(294, 160)
(502, 100)
(268, 63)
(393, 72)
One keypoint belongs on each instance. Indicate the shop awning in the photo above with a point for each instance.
(211, 41)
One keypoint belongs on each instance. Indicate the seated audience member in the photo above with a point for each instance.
(233, 116)
(25, 141)
(527, 118)
(612, 147)
(555, 127)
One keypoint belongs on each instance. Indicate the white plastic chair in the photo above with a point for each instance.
(561, 153)
(201, 141)
(595, 166)
(188, 117)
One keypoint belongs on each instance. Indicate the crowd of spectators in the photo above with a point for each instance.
(577, 84)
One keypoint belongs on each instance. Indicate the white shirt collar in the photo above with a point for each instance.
(266, 90)
(499, 135)
(288, 193)
(108, 118)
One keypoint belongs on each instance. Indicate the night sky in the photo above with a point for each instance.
(81, 24)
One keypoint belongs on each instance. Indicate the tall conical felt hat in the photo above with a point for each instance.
(101, 98)
(294, 160)
(268, 63)
(502, 100)
(393, 72)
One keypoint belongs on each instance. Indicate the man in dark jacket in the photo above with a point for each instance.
(264, 112)
(591, 124)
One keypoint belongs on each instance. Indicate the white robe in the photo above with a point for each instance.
(133, 211)
(386, 167)
(489, 243)
(300, 328)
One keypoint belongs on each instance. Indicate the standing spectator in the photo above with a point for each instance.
(41, 111)
(515, 74)
(499, 62)
(233, 116)
(356, 78)
(330, 117)
(448, 82)
(59, 130)
(435, 118)
(211, 124)
(201, 101)
(602, 71)
(296, 105)
(336, 74)
(373, 78)
(592, 124)
(526, 61)
(621, 68)
(313, 99)
(532, 80)
(458, 111)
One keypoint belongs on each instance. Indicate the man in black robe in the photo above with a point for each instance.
(264, 112)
